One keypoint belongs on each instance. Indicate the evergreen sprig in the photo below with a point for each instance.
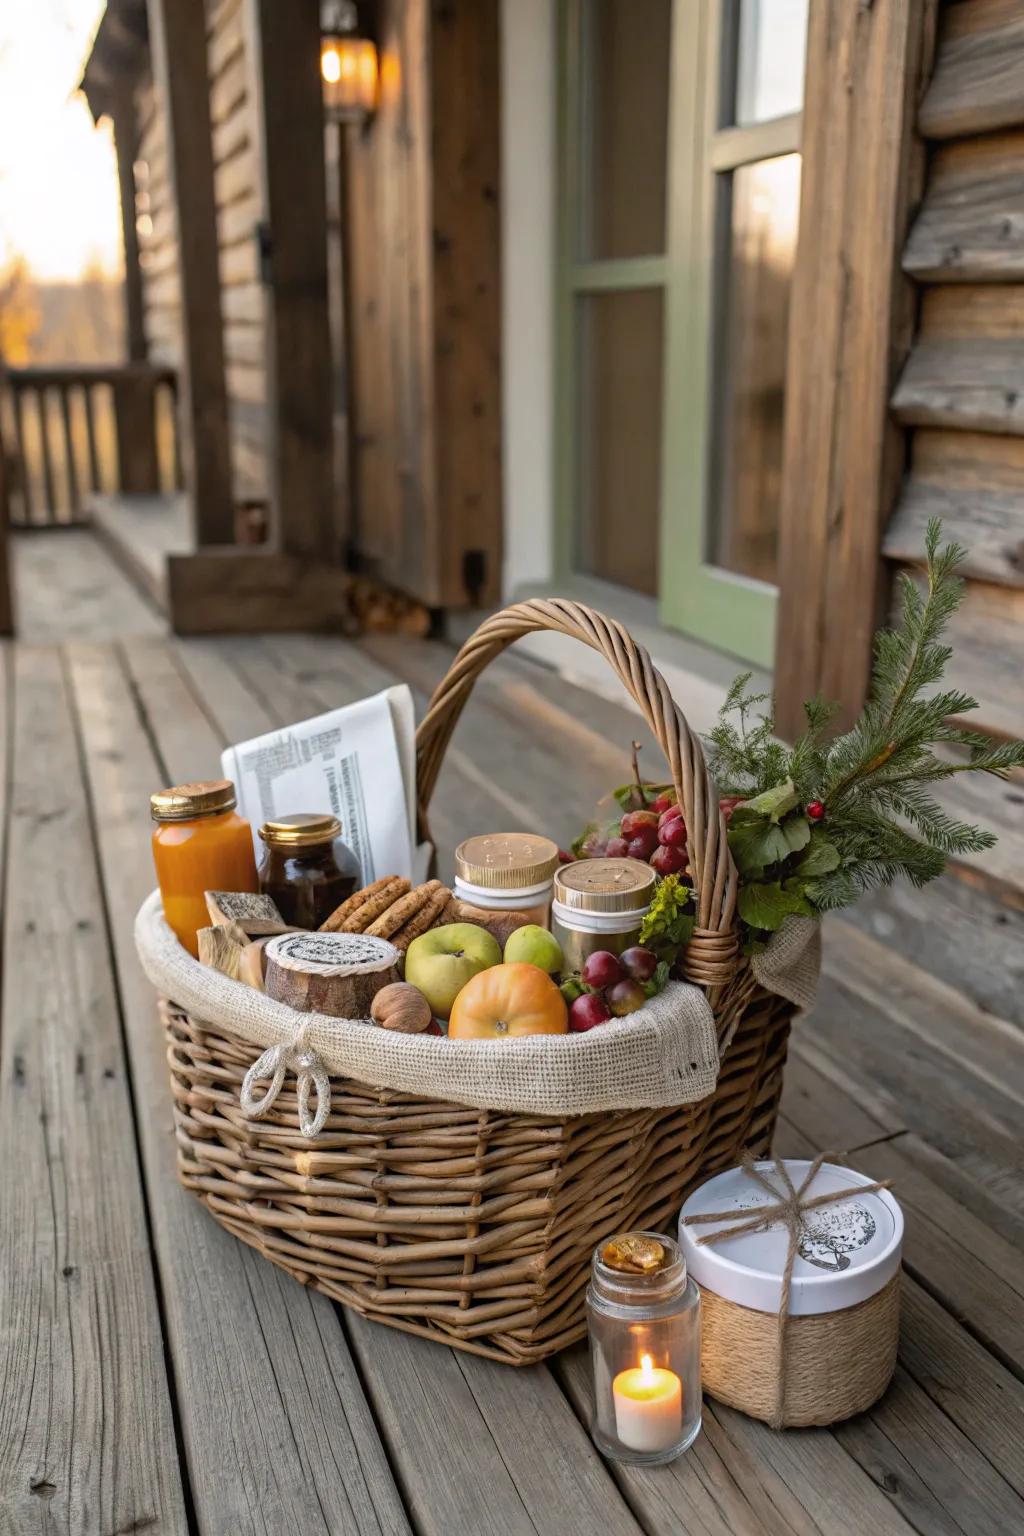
(875, 817)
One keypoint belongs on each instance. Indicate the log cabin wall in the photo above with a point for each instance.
(424, 254)
(157, 226)
(961, 393)
(239, 214)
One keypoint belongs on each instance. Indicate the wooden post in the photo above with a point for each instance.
(126, 145)
(177, 35)
(849, 329)
(138, 467)
(300, 386)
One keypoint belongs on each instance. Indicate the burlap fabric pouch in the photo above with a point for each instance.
(664, 1054)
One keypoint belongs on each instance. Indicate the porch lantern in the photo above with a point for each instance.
(348, 64)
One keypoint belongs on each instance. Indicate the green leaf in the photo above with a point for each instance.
(767, 906)
(797, 831)
(657, 982)
(776, 802)
(755, 845)
(820, 859)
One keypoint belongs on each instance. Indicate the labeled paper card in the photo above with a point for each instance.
(358, 762)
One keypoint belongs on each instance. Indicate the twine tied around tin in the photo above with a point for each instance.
(788, 1208)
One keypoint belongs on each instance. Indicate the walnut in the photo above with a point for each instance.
(401, 1006)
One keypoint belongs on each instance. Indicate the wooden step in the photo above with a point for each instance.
(974, 385)
(975, 483)
(978, 81)
(970, 227)
(997, 805)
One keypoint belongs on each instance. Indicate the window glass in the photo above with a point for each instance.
(618, 435)
(771, 46)
(624, 91)
(758, 211)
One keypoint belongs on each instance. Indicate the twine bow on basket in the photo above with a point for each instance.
(277, 1060)
(789, 1207)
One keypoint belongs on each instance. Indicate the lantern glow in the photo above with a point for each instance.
(348, 65)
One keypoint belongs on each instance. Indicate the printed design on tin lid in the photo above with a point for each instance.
(830, 1235)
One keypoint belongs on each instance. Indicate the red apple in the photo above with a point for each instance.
(625, 997)
(587, 1012)
(640, 964)
(602, 969)
(668, 861)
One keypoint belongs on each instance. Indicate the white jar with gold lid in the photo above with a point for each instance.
(599, 904)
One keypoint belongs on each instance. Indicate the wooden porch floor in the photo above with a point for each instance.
(157, 1376)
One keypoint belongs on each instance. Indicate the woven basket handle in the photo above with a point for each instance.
(711, 957)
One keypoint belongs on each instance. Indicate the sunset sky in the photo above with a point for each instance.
(58, 179)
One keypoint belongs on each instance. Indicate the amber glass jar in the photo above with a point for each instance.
(200, 844)
(306, 867)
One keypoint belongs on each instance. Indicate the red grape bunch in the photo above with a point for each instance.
(615, 986)
(657, 835)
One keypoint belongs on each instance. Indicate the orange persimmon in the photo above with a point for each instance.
(506, 1000)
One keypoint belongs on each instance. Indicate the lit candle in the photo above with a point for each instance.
(648, 1406)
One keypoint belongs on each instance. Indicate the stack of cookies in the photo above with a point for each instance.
(394, 909)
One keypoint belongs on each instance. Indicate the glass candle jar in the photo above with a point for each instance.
(507, 872)
(599, 904)
(306, 868)
(643, 1314)
(200, 844)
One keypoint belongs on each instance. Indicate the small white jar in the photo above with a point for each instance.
(507, 872)
(599, 904)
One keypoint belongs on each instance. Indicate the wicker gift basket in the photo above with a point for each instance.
(467, 1224)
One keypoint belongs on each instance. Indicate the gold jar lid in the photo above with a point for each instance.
(184, 802)
(301, 831)
(605, 885)
(506, 861)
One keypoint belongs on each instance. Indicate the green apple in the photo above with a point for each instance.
(536, 946)
(442, 960)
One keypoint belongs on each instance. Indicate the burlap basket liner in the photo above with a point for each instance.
(457, 1189)
(665, 1054)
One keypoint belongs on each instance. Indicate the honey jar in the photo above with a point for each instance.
(200, 844)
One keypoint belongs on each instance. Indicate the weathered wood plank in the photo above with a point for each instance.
(974, 481)
(86, 1433)
(895, 1071)
(510, 1443)
(971, 385)
(987, 961)
(970, 226)
(978, 83)
(888, 983)
(290, 120)
(229, 589)
(849, 327)
(68, 587)
(178, 48)
(277, 1429)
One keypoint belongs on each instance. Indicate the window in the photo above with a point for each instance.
(681, 191)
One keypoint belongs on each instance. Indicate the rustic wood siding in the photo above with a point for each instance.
(239, 211)
(425, 259)
(961, 393)
(158, 230)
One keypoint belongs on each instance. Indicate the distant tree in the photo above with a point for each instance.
(19, 314)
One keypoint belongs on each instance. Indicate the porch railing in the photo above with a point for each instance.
(69, 433)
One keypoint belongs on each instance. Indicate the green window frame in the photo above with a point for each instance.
(732, 612)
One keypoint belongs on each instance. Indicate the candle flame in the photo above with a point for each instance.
(646, 1370)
